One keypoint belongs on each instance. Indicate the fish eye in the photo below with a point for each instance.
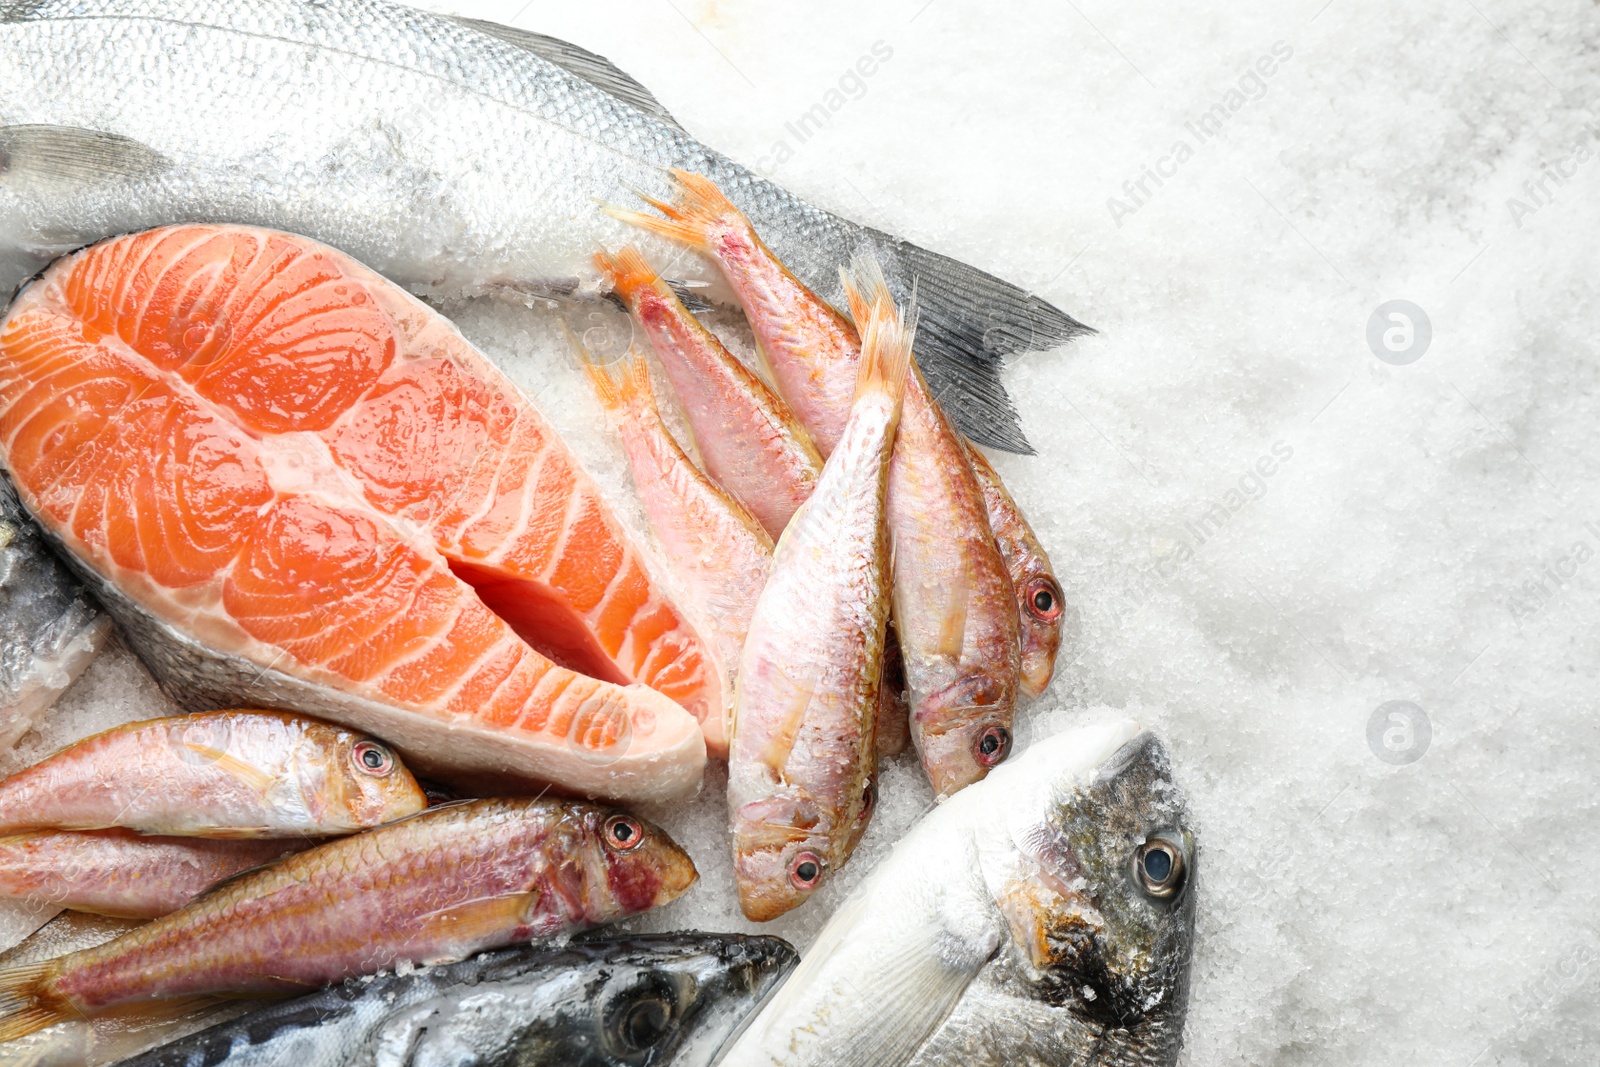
(993, 746)
(869, 797)
(637, 1019)
(1044, 599)
(623, 833)
(1158, 868)
(805, 870)
(644, 1022)
(372, 758)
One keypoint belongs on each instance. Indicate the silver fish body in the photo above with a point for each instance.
(663, 1000)
(455, 157)
(1022, 922)
(49, 627)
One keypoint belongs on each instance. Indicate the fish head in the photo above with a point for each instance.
(367, 783)
(783, 851)
(687, 994)
(963, 731)
(600, 1002)
(1043, 617)
(1101, 900)
(633, 865)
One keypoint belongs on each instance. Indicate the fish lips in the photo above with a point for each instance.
(732, 989)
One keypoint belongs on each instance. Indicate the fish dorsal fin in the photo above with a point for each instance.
(71, 155)
(596, 70)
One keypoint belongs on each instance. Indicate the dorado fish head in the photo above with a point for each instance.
(1101, 904)
(632, 865)
(368, 783)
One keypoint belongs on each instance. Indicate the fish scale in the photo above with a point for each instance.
(451, 159)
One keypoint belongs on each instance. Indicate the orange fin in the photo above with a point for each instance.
(886, 335)
(626, 270)
(476, 922)
(24, 1004)
(618, 388)
(697, 209)
(253, 777)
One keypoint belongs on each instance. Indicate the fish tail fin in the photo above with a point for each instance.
(970, 322)
(25, 1004)
(626, 270)
(697, 210)
(619, 385)
(886, 334)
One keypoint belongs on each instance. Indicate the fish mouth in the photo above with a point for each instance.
(771, 961)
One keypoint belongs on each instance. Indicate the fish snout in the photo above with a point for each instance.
(961, 739)
(384, 787)
(644, 867)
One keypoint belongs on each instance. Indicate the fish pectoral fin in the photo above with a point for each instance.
(915, 982)
(253, 777)
(52, 156)
(598, 71)
(476, 922)
(919, 991)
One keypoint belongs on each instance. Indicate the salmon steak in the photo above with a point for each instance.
(296, 486)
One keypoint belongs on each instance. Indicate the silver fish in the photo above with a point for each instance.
(1042, 917)
(49, 627)
(454, 156)
(671, 999)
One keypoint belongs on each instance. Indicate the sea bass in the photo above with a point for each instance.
(664, 1000)
(296, 486)
(49, 628)
(1044, 916)
(223, 774)
(955, 610)
(803, 756)
(121, 873)
(434, 888)
(719, 551)
(453, 156)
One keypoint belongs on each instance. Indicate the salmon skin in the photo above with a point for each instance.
(121, 873)
(955, 610)
(802, 759)
(49, 628)
(217, 774)
(453, 156)
(434, 888)
(717, 548)
(296, 486)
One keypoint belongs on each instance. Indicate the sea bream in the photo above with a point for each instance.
(1042, 917)
(297, 486)
(665, 1000)
(453, 156)
(50, 629)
